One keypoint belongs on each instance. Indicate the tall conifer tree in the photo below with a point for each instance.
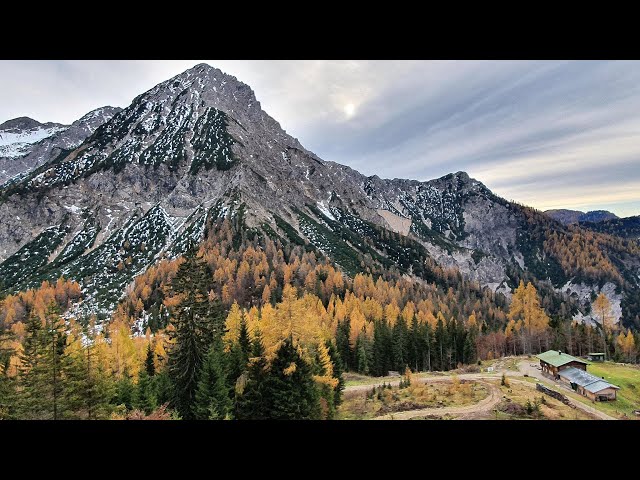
(42, 389)
(251, 404)
(212, 400)
(196, 321)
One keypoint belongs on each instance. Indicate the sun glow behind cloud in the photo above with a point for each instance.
(349, 110)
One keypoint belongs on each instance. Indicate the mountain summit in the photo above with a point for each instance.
(20, 124)
(198, 147)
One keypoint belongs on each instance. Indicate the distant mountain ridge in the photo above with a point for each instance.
(26, 143)
(627, 227)
(20, 124)
(575, 216)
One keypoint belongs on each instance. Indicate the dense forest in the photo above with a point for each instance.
(245, 326)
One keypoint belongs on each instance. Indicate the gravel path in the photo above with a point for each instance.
(483, 406)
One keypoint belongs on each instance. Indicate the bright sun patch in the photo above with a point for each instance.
(349, 110)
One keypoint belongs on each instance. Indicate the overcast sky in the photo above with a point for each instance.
(549, 134)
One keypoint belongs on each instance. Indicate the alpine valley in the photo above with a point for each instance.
(111, 200)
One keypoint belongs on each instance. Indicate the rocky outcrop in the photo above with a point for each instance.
(585, 294)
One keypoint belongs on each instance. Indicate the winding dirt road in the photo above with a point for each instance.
(483, 406)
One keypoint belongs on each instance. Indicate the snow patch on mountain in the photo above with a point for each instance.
(73, 209)
(16, 144)
(325, 210)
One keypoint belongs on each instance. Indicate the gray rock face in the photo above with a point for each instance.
(30, 144)
(584, 292)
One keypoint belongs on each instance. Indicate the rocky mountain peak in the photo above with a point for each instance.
(194, 121)
(25, 124)
(462, 176)
(460, 182)
(204, 86)
(101, 115)
(20, 123)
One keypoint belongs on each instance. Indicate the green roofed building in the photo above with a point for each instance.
(572, 372)
(553, 361)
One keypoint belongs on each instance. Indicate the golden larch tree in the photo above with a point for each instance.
(525, 308)
(232, 326)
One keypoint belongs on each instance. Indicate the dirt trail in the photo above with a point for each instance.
(483, 406)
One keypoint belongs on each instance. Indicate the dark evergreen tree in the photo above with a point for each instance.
(382, 352)
(426, 346)
(212, 400)
(413, 340)
(343, 333)
(89, 390)
(30, 371)
(338, 370)
(251, 403)
(163, 387)
(7, 383)
(125, 390)
(441, 343)
(363, 354)
(244, 341)
(399, 344)
(196, 323)
(470, 353)
(452, 344)
(149, 362)
(239, 354)
(145, 397)
(42, 390)
(289, 389)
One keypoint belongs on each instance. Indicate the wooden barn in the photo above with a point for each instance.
(553, 361)
(588, 385)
